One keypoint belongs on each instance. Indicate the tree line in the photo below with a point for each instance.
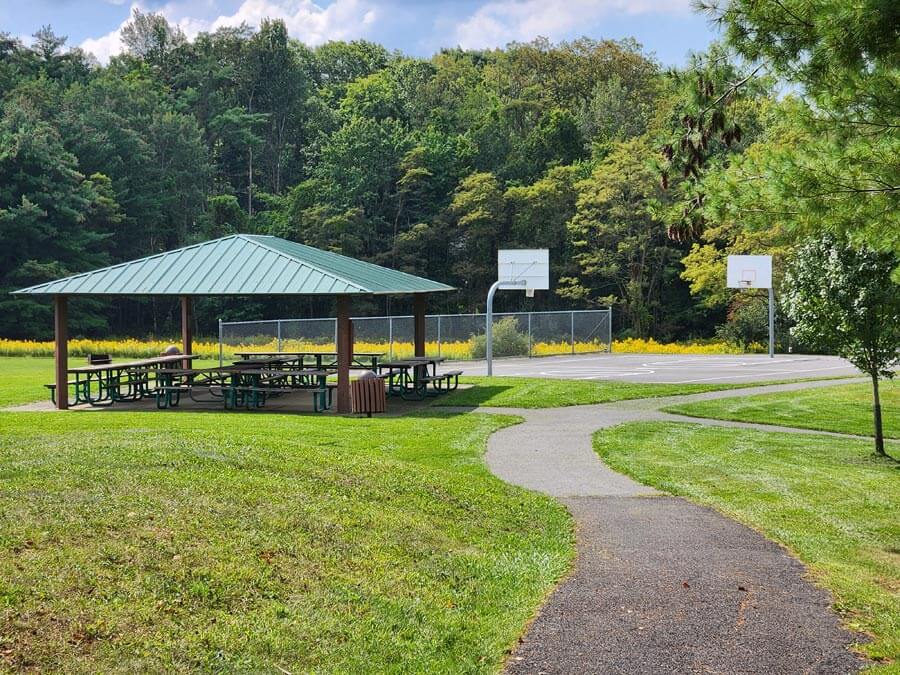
(425, 165)
(634, 176)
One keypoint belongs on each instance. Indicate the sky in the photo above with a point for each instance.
(670, 29)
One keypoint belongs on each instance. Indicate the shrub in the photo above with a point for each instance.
(508, 341)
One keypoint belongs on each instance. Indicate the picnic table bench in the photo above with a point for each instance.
(102, 384)
(241, 386)
(409, 378)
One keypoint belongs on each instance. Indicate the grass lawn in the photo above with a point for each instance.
(534, 392)
(845, 409)
(829, 500)
(22, 379)
(163, 542)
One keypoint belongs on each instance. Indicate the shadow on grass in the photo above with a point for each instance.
(396, 407)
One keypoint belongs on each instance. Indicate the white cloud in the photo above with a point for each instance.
(305, 20)
(106, 46)
(498, 22)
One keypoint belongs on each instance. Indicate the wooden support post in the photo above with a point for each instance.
(61, 351)
(419, 302)
(344, 353)
(187, 328)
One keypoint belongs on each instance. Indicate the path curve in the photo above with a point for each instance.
(660, 584)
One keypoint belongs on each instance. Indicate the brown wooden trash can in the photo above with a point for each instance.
(367, 395)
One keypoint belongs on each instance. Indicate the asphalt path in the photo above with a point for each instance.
(660, 584)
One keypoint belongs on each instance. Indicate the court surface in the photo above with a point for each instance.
(680, 369)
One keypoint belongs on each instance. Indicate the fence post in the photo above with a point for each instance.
(278, 333)
(572, 315)
(220, 343)
(529, 335)
(609, 330)
(391, 337)
(439, 335)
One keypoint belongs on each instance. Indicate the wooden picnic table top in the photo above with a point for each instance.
(118, 365)
(199, 371)
(252, 354)
(254, 362)
(411, 362)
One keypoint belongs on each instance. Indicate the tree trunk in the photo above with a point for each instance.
(876, 409)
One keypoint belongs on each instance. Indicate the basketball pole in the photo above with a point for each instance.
(489, 318)
(771, 322)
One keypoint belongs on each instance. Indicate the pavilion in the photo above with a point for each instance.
(241, 265)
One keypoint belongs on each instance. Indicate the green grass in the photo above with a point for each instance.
(843, 409)
(165, 542)
(22, 379)
(829, 500)
(533, 392)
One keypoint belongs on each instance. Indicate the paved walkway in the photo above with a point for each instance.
(660, 584)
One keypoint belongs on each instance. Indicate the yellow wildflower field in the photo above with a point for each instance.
(459, 350)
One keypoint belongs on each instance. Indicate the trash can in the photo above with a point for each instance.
(367, 394)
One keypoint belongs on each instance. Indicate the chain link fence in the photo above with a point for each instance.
(453, 336)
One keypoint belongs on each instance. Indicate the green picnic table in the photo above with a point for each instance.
(367, 360)
(104, 384)
(409, 378)
(242, 386)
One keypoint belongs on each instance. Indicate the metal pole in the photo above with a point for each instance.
(771, 323)
(609, 330)
(489, 321)
(572, 314)
(391, 337)
(439, 335)
(278, 324)
(529, 335)
(220, 343)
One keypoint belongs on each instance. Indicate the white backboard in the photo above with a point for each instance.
(530, 264)
(749, 271)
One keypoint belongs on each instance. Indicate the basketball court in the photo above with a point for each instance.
(678, 369)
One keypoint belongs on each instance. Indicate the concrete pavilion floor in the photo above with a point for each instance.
(295, 402)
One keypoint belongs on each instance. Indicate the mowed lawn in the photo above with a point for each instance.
(22, 379)
(134, 542)
(844, 409)
(533, 392)
(829, 500)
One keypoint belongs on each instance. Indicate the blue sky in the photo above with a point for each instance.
(669, 28)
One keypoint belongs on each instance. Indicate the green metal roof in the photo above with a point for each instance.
(242, 264)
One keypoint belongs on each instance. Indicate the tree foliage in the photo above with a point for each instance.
(426, 165)
(841, 299)
(832, 160)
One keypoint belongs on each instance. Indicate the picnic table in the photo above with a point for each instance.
(409, 378)
(103, 384)
(239, 385)
(367, 360)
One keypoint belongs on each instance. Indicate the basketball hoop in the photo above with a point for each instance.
(528, 269)
(754, 271)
